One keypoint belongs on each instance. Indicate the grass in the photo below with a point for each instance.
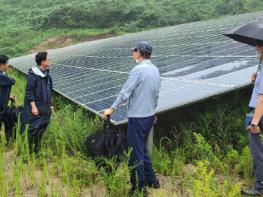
(18, 35)
(15, 43)
(200, 165)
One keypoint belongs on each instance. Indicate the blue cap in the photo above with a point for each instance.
(144, 47)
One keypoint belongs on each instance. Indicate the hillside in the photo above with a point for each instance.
(25, 24)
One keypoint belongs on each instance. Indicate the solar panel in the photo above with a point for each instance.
(195, 60)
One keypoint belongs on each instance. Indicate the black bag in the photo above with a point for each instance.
(107, 142)
(11, 118)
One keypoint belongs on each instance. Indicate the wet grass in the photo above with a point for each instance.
(197, 166)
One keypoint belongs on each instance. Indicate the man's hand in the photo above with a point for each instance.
(52, 108)
(108, 112)
(253, 77)
(35, 111)
(254, 130)
(12, 98)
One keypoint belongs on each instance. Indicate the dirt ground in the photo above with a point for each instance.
(62, 41)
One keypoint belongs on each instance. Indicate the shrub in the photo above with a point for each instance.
(245, 165)
(204, 183)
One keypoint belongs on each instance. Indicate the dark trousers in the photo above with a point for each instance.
(140, 162)
(256, 148)
(8, 128)
(34, 138)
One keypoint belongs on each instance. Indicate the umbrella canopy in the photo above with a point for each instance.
(251, 34)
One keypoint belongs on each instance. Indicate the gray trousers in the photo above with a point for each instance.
(256, 148)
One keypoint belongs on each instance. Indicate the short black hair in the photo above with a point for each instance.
(3, 59)
(146, 55)
(41, 56)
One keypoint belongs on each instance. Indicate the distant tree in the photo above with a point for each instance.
(147, 13)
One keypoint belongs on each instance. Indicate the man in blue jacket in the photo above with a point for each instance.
(37, 102)
(142, 91)
(6, 84)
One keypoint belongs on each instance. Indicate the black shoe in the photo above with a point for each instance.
(133, 192)
(252, 192)
(155, 184)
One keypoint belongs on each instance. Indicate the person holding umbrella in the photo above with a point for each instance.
(142, 90)
(252, 34)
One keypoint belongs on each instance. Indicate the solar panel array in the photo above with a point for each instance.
(195, 61)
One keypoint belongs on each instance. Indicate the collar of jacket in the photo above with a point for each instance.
(38, 72)
(4, 73)
(5, 80)
(145, 61)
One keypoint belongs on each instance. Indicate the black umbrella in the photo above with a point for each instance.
(251, 34)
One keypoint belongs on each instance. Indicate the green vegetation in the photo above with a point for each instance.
(201, 164)
(141, 14)
(25, 24)
(196, 153)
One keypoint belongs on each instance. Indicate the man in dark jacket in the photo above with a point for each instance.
(37, 103)
(6, 84)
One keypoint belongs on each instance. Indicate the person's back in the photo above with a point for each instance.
(143, 99)
(142, 90)
(6, 84)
